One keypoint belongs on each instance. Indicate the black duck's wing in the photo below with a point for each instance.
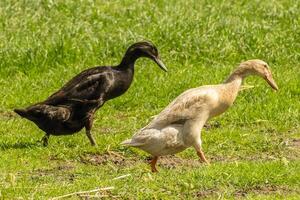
(48, 112)
(85, 86)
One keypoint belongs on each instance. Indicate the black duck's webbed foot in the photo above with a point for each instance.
(88, 127)
(91, 138)
(45, 140)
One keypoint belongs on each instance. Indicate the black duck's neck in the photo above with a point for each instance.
(128, 60)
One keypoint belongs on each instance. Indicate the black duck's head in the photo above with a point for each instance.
(144, 49)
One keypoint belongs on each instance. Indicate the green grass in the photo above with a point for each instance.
(255, 151)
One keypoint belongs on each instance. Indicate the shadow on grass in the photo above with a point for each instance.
(19, 145)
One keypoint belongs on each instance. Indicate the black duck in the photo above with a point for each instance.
(72, 107)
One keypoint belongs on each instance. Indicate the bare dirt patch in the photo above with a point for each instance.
(250, 157)
(206, 193)
(7, 114)
(293, 149)
(119, 159)
(173, 161)
(54, 170)
(106, 158)
(291, 152)
(295, 143)
(263, 190)
(62, 172)
(240, 193)
(170, 162)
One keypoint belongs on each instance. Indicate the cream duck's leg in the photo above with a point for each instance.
(192, 133)
(200, 152)
(88, 127)
(202, 156)
(153, 163)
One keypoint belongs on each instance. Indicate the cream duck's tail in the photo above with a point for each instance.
(130, 142)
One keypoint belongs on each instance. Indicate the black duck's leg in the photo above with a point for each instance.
(88, 127)
(45, 139)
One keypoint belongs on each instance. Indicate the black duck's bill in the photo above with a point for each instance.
(160, 64)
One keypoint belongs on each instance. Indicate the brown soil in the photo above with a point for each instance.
(259, 190)
(7, 114)
(206, 193)
(54, 170)
(108, 157)
(264, 190)
(120, 160)
(61, 172)
(172, 161)
(295, 143)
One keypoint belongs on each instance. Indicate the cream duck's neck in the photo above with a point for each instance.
(231, 89)
(233, 84)
(234, 81)
(239, 74)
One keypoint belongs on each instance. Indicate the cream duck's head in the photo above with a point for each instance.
(257, 67)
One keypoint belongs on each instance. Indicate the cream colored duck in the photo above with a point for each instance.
(179, 125)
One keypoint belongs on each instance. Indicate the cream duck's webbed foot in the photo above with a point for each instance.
(45, 139)
(88, 127)
(202, 156)
(153, 163)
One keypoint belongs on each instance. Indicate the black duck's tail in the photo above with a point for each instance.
(21, 112)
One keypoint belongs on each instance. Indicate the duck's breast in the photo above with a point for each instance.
(118, 83)
(225, 96)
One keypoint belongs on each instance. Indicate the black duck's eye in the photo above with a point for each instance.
(154, 50)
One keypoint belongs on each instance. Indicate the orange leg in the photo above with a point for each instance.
(153, 163)
(202, 156)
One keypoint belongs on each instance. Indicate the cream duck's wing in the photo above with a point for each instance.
(184, 107)
(142, 137)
